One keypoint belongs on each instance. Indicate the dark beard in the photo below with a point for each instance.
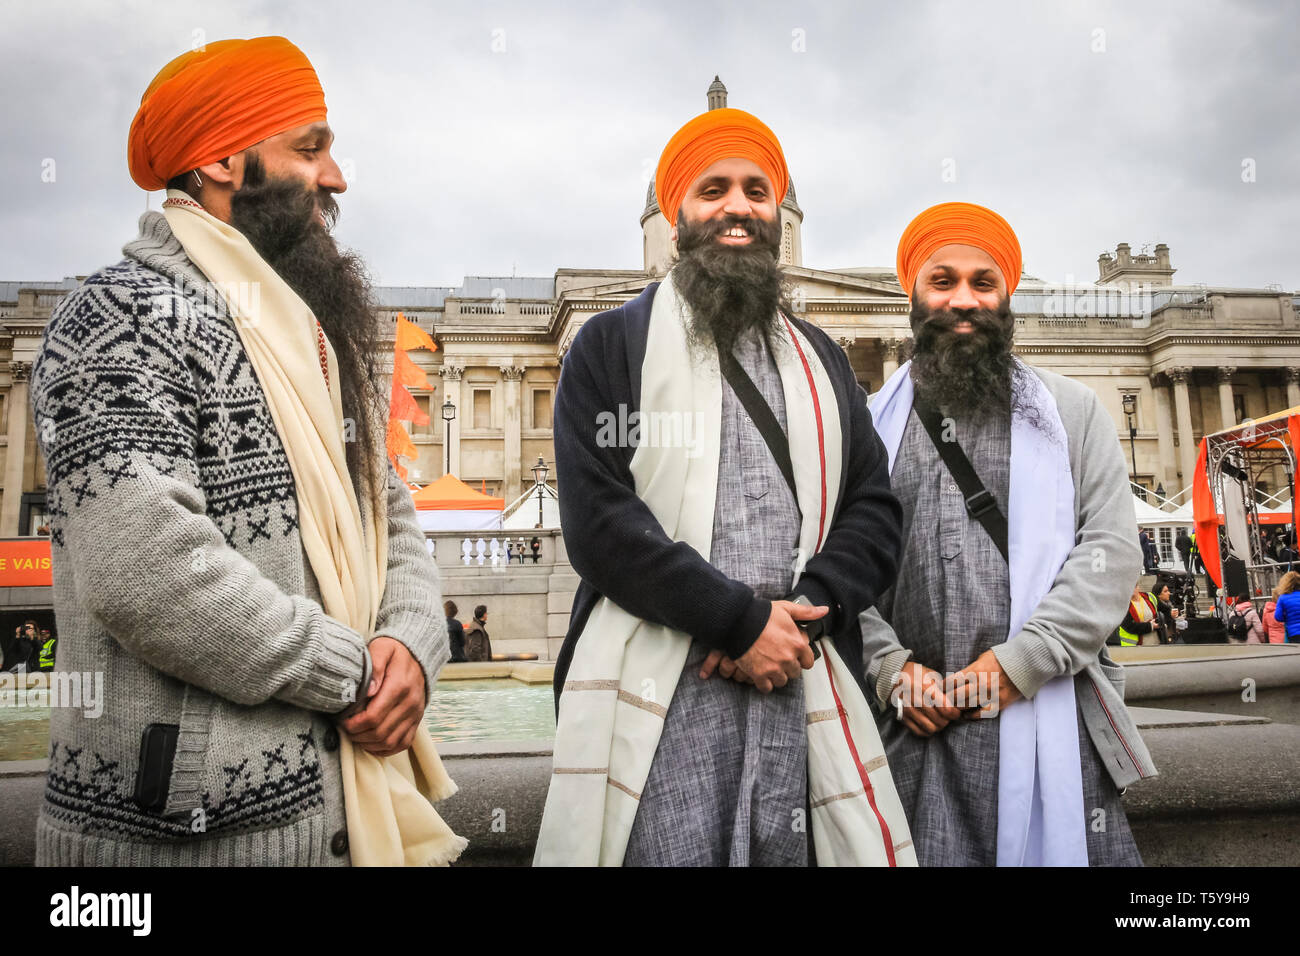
(729, 290)
(279, 217)
(971, 372)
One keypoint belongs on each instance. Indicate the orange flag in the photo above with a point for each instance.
(402, 407)
(407, 372)
(411, 336)
(399, 442)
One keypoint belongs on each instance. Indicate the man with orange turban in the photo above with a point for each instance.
(1009, 741)
(726, 506)
(228, 541)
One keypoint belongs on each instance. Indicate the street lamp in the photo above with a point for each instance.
(540, 472)
(448, 416)
(1130, 409)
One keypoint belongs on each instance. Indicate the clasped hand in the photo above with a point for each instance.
(388, 723)
(926, 702)
(779, 654)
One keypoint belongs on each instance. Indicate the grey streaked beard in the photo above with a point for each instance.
(729, 291)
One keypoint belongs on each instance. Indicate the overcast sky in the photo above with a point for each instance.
(495, 137)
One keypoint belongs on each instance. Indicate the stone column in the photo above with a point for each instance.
(846, 342)
(1292, 387)
(890, 347)
(1183, 408)
(17, 431)
(513, 375)
(1227, 413)
(451, 376)
(1168, 474)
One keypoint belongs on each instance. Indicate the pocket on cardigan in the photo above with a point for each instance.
(1113, 673)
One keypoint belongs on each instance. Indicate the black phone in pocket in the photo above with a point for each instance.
(157, 751)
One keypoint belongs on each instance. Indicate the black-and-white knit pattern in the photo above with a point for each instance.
(110, 389)
(179, 574)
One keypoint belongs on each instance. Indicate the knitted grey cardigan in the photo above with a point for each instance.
(179, 574)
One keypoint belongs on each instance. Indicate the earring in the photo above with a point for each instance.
(198, 179)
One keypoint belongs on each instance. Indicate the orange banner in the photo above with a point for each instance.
(25, 563)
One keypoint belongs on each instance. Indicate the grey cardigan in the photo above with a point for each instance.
(1067, 632)
(179, 574)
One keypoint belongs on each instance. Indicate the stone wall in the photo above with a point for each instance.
(528, 604)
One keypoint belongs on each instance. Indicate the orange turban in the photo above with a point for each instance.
(958, 222)
(211, 103)
(717, 134)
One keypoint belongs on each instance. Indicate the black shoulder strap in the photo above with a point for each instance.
(761, 414)
(980, 503)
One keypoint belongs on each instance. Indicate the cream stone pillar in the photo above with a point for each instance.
(1227, 414)
(1292, 387)
(846, 342)
(1168, 475)
(891, 349)
(451, 376)
(513, 375)
(1183, 408)
(18, 418)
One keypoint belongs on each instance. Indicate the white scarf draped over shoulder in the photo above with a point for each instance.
(624, 671)
(1040, 779)
(388, 801)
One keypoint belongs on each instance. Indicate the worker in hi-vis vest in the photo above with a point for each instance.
(1142, 618)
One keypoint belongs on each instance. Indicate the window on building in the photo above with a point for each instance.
(424, 403)
(541, 408)
(1165, 544)
(1239, 406)
(483, 408)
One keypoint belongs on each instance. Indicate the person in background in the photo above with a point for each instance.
(1183, 545)
(43, 655)
(1254, 627)
(1167, 614)
(1287, 609)
(536, 547)
(22, 652)
(1150, 561)
(455, 632)
(1274, 630)
(477, 645)
(1155, 551)
(1140, 620)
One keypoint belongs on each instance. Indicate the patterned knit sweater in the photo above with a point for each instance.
(179, 574)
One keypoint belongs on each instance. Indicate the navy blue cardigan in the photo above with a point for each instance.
(620, 551)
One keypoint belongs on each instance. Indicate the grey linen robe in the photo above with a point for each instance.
(950, 604)
(728, 785)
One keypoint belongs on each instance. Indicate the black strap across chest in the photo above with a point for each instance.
(980, 503)
(761, 414)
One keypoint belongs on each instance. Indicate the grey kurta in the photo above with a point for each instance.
(728, 783)
(950, 604)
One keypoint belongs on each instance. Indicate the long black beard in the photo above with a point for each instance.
(280, 218)
(971, 372)
(729, 290)
(974, 374)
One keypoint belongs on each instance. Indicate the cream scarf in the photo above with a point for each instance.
(390, 817)
(625, 670)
